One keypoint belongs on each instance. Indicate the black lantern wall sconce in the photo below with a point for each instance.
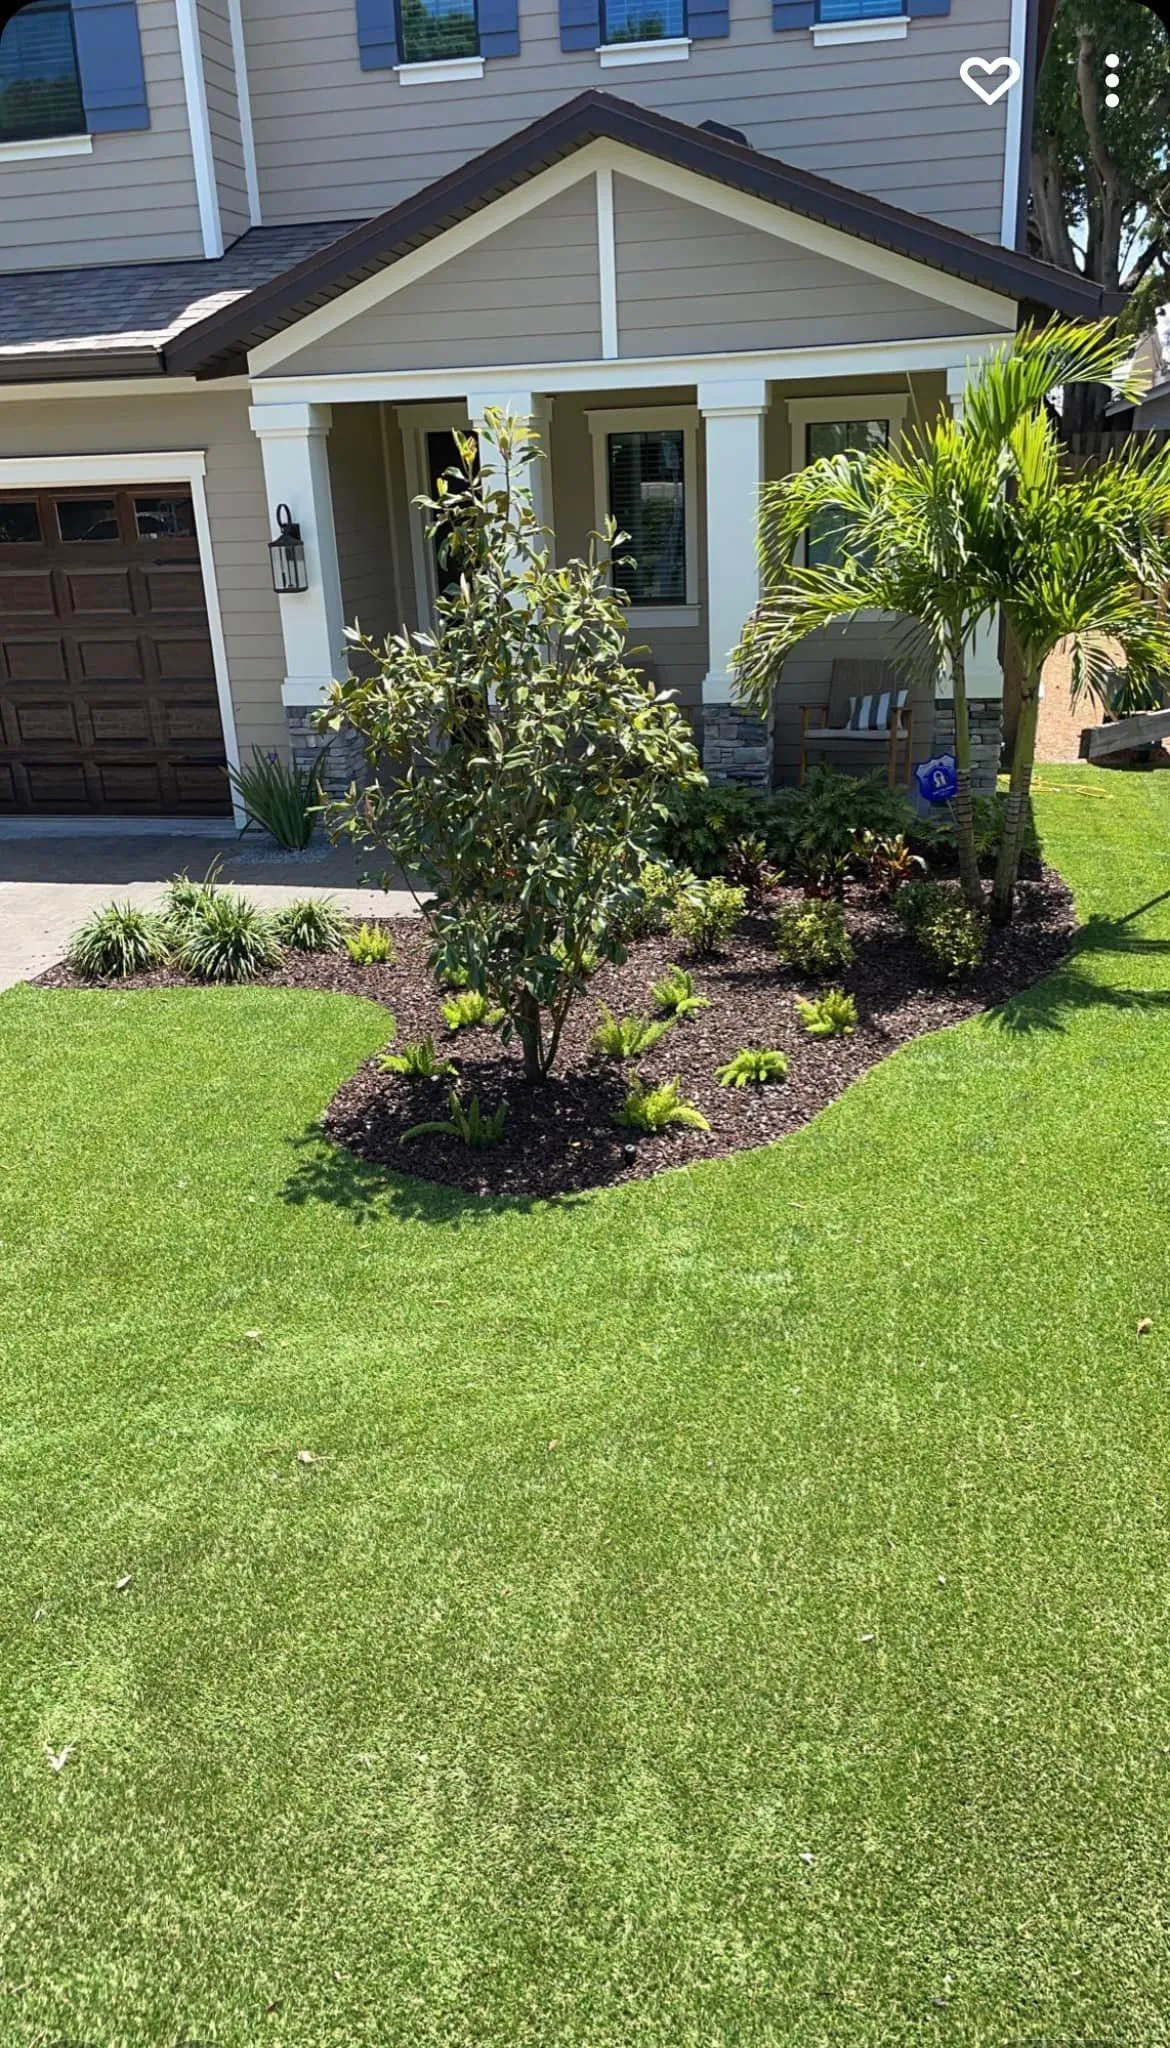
(287, 555)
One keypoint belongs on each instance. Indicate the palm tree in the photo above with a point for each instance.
(1081, 556)
(922, 532)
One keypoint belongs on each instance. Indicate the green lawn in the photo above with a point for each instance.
(810, 1505)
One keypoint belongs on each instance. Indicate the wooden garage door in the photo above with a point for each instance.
(107, 685)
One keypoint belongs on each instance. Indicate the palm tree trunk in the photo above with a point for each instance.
(1019, 789)
(964, 808)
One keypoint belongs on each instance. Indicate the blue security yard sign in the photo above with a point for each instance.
(937, 780)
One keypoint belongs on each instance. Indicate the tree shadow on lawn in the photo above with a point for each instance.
(326, 1172)
(1047, 1005)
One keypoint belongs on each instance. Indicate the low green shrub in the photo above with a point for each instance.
(420, 1060)
(705, 919)
(660, 886)
(626, 1038)
(674, 996)
(117, 941)
(471, 1126)
(650, 1109)
(311, 925)
(943, 925)
(704, 821)
(228, 939)
(753, 1066)
(184, 898)
(467, 1009)
(280, 798)
(370, 946)
(811, 936)
(833, 1015)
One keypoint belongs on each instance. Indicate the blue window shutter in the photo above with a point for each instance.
(109, 58)
(793, 13)
(377, 29)
(916, 7)
(580, 24)
(499, 28)
(707, 18)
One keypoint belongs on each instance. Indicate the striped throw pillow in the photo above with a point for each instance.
(872, 713)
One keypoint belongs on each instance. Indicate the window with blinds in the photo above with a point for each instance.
(643, 21)
(40, 85)
(647, 499)
(434, 29)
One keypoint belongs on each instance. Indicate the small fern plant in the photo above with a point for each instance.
(420, 1060)
(652, 1109)
(370, 946)
(674, 996)
(833, 1015)
(117, 941)
(229, 939)
(627, 1038)
(469, 1125)
(310, 925)
(754, 1066)
(468, 1008)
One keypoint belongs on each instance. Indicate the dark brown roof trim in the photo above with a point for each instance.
(67, 365)
(220, 343)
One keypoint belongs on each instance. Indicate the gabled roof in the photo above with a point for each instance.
(220, 342)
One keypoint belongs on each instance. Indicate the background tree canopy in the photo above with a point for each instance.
(1100, 200)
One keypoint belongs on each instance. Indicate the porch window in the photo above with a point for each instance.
(40, 82)
(436, 29)
(838, 437)
(643, 21)
(647, 497)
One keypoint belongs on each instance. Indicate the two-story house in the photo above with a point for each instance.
(257, 256)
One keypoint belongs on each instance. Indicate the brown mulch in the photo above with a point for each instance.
(559, 1137)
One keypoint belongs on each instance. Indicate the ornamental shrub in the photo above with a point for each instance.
(705, 918)
(117, 941)
(944, 927)
(228, 939)
(515, 760)
(811, 936)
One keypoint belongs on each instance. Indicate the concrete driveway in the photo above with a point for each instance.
(54, 872)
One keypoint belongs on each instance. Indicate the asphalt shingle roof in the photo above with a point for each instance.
(134, 309)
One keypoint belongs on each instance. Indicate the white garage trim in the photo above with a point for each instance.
(178, 466)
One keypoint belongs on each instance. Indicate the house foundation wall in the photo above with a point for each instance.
(986, 720)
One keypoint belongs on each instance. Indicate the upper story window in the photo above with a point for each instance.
(40, 81)
(859, 10)
(436, 29)
(643, 21)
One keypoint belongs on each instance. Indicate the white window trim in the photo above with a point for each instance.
(663, 50)
(35, 146)
(440, 71)
(416, 422)
(804, 413)
(880, 28)
(182, 466)
(643, 419)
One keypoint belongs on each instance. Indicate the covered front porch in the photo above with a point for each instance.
(679, 465)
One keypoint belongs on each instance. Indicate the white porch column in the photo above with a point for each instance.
(736, 745)
(294, 447)
(536, 410)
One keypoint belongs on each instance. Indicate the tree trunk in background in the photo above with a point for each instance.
(964, 808)
(1019, 791)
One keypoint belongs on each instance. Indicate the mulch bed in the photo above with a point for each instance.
(559, 1137)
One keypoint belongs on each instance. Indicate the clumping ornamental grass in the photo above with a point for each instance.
(726, 1608)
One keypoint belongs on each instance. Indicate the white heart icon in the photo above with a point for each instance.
(1007, 65)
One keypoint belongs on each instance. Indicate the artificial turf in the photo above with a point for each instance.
(726, 1610)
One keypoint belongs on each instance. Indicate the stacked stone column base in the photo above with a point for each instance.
(344, 763)
(986, 719)
(735, 745)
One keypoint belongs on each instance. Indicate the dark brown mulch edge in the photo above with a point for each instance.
(559, 1138)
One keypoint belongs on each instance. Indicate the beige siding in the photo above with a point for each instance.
(216, 422)
(357, 472)
(527, 294)
(692, 282)
(805, 680)
(133, 200)
(890, 119)
(223, 111)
